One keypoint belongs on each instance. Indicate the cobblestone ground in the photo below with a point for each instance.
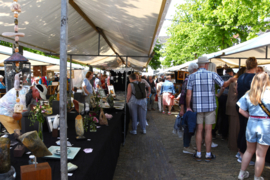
(158, 155)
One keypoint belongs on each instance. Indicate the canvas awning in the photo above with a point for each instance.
(35, 59)
(118, 27)
(258, 47)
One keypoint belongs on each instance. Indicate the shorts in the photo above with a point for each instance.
(258, 130)
(209, 117)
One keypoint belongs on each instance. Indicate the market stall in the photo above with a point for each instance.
(106, 41)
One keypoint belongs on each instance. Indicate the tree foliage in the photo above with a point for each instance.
(206, 26)
(155, 63)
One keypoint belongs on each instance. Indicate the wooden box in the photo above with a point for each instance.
(41, 172)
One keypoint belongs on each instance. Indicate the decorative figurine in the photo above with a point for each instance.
(102, 118)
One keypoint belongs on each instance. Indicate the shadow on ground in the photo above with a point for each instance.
(158, 155)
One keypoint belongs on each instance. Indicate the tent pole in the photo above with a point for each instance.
(63, 88)
(70, 82)
(125, 115)
(239, 63)
(266, 52)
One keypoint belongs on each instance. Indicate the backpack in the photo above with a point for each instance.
(140, 90)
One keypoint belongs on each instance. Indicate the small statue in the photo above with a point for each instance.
(102, 118)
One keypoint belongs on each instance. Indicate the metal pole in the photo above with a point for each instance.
(70, 83)
(125, 115)
(63, 88)
(239, 63)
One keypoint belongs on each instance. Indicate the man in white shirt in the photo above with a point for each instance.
(160, 99)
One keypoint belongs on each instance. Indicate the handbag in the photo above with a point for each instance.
(264, 109)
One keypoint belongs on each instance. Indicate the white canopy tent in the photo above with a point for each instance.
(258, 47)
(113, 29)
(35, 59)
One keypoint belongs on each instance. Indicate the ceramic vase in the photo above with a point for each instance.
(79, 127)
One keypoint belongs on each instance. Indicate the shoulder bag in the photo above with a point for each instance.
(264, 109)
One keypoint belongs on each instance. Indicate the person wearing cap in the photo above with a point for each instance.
(2, 84)
(201, 86)
(8, 101)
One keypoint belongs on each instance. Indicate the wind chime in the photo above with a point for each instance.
(17, 67)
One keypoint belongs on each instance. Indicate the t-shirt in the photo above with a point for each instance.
(243, 84)
(88, 85)
(8, 101)
(245, 104)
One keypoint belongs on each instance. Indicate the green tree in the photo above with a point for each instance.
(206, 26)
(155, 63)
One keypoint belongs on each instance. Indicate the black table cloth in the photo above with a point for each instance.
(100, 164)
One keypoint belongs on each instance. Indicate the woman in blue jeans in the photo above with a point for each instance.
(258, 125)
(193, 67)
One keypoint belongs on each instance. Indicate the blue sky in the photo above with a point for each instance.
(170, 15)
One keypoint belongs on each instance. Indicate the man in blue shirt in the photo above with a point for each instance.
(201, 85)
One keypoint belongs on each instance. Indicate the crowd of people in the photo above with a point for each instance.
(236, 106)
(234, 109)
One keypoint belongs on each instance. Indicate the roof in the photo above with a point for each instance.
(258, 47)
(124, 27)
(35, 59)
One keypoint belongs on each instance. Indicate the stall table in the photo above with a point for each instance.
(100, 164)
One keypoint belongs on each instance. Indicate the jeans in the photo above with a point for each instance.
(187, 136)
(151, 101)
(160, 104)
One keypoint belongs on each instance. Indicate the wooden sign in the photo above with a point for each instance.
(41, 172)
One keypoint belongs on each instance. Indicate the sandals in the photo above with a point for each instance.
(163, 112)
(169, 113)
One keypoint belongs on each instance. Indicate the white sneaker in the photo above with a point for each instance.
(133, 132)
(138, 123)
(146, 123)
(244, 175)
(180, 134)
(144, 131)
(258, 178)
(251, 163)
(213, 145)
(188, 150)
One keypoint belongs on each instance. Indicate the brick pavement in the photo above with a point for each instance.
(158, 155)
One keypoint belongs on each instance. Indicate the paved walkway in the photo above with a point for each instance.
(158, 155)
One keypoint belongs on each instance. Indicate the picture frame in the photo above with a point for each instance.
(186, 74)
(50, 75)
(111, 90)
(50, 120)
(180, 75)
(101, 92)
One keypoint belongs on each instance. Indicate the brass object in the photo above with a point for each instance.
(32, 141)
